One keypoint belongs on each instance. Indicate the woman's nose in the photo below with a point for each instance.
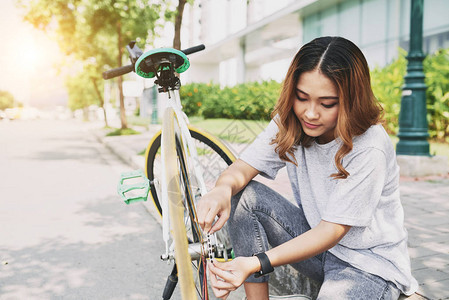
(311, 112)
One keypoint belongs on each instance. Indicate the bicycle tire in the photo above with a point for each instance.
(202, 137)
(193, 230)
(176, 208)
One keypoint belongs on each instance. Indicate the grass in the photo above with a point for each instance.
(245, 131)
(138, 121)
(119, 131)
(436, 148)
(132, 121)
(234, 131)
(439, 149)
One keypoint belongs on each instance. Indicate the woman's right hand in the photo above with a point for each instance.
(217, 202)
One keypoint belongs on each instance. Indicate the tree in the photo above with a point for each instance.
(81, 92)
(85, 89)
(178, 15)
(125, 21)
(95, 31)
(6, 100)
(178, 22)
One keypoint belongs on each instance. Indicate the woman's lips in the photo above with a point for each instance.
(311, 126)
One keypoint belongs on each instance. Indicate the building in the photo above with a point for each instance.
(256, 39)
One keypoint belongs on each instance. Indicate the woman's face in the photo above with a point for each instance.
(316, 105)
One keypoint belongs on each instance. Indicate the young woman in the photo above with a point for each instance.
(347, 229)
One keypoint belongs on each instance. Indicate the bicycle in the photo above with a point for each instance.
(182, 164)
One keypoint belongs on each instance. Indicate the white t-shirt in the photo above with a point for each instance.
(368, 200)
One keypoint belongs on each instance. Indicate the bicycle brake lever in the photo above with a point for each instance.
(134, 52)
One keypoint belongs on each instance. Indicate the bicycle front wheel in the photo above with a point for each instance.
(183, 191)
(176, 200)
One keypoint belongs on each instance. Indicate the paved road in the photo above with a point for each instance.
(64, 234)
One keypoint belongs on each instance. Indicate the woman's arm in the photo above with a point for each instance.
(315, 241)
(217, 202)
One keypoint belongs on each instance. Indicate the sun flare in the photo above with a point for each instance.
(27, 59)
(30, 57)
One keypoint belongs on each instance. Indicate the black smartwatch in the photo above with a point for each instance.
(265, 265)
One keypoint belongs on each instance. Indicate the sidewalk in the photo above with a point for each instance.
(425, 201)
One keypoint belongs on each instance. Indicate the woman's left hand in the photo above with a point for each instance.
(228, 276)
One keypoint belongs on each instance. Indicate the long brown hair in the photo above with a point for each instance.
(344, 64)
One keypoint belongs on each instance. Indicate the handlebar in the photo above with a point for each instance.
(194, 49)
(134, 54)
(118, 71)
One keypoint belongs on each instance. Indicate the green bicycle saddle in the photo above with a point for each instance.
(150, 62)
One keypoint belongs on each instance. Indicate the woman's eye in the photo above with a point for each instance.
(328, 105)
(301, 99)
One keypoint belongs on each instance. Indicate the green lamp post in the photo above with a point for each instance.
(413, 127)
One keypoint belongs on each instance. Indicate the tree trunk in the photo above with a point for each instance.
(85, 114)
(178, 23)
(100, 97)
(120, 78)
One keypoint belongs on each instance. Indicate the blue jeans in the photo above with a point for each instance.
(261, 217)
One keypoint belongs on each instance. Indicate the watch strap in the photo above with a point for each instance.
(265, 265)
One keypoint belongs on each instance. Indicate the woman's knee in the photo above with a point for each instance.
(252, 195)
(242, 201)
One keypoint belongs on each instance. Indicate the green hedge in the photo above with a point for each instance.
(250, 101)
(387, 86)
(255, 100)
(436, 68)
